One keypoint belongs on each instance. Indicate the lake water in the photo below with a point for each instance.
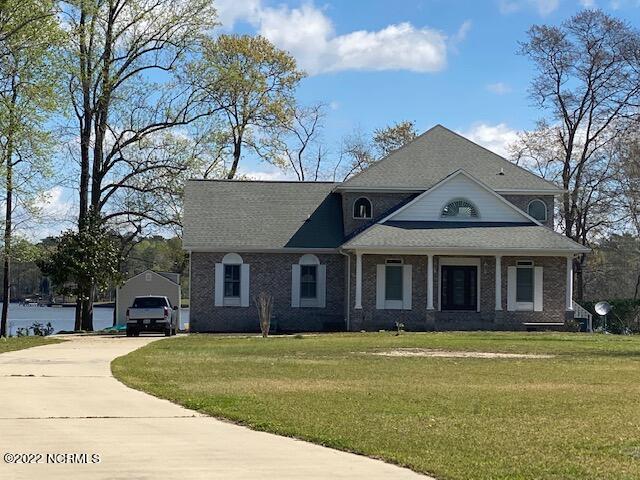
(63, 318)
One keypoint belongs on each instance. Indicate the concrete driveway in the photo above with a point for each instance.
(62, 399)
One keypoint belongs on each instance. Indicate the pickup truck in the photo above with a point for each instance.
(152, 314)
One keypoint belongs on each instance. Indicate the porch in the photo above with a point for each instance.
(430, 290)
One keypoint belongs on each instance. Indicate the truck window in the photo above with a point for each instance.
(149, 302)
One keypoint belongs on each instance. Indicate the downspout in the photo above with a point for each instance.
(190, 287)
(348, 288)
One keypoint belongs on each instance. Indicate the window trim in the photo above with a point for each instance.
(546, 209)
(460, 199)
(353, 208)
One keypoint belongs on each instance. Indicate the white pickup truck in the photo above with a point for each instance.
(152, 314)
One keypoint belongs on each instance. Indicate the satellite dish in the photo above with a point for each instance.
(602, 308)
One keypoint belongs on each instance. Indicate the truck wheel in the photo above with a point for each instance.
(129, 332)
(167, 332)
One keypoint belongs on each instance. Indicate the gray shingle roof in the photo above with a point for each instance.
(461, 236)
(261, 215)
(437, 153)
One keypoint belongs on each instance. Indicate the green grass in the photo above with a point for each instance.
(574, 416)
(18, 343)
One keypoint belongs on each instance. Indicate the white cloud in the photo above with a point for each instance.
(499, 88)
(496, 138)
(543, 7)
(309, 35)
(270, 174)
(57, 209)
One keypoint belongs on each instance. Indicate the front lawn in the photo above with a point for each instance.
(18, 343)
(576, 415)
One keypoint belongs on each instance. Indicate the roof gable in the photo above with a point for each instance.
(460, 185)
(436, 154)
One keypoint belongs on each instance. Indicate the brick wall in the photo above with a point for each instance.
(522, 202)
(270, 272)
(380, 203)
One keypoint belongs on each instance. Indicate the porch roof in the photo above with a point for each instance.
(460, 236)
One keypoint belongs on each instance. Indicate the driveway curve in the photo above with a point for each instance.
(60, 402)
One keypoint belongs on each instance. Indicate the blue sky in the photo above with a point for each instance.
(376, 62)
(432, 61)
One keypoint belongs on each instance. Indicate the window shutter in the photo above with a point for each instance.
(322, 286)
(407, 286)
(244, 285)
(512, 273)
(295, 286)
(380, 271)
(537, 291)
(219, 285)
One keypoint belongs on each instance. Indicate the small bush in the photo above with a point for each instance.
(624, 317)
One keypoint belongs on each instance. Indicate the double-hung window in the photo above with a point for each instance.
(232, 281)
(393, 281)
(524, 285)
(308, 281)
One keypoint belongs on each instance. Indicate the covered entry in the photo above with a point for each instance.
(459, 284)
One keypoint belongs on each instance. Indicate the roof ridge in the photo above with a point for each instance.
(378, 162)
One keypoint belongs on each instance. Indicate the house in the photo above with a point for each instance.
(147, 283)
(441, 234)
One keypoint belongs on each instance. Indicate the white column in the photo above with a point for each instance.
(498, 282)
(358, 281)
(429, 282)
(569, 290)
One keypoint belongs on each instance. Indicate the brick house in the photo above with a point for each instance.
(442, 234)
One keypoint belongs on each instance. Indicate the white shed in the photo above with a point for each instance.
(147, 283)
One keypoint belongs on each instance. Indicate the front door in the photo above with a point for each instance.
(459, 287)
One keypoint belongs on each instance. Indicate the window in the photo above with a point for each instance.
(308, 281)
(232, 281)
(460, 208)
(524, 283)
(538, 210)
(149, 302)
(393, 282)
(362, 208)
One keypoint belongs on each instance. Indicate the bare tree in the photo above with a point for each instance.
(588, 81)
(127, 93)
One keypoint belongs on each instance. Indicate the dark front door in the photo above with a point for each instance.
(459, 287)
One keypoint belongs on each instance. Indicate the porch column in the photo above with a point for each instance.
(498, 276)
(569, 289)
(429, 282)
(358, 281)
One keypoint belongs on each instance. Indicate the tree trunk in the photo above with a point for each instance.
(6, 281)
(237, 150)
(8, 161)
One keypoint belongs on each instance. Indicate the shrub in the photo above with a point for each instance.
(624, 317)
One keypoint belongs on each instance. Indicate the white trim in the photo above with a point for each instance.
(232, 259)
(358, 294)
(449, 178)
(470, 262)
(148, 270)
(546, 208)
(308, 259)
(429, 282)
(569, 285)
(353, 206)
